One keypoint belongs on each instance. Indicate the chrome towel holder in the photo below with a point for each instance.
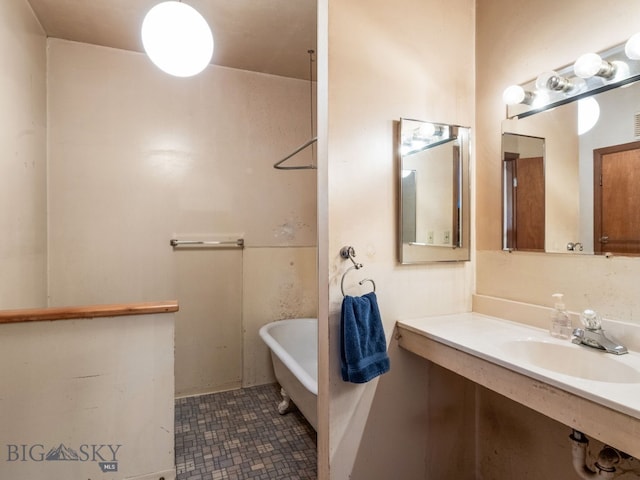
(348, 252)
(174, 242)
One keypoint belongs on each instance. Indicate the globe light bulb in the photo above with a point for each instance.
(632, 47)
(426, 130)
(513, 95)
(177, 39)
(621, 70)
(552, 81)
(591, 64)
(545, 80)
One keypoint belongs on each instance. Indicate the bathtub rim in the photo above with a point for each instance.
(285, 357)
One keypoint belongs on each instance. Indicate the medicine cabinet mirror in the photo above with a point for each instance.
(571, 192)
(434, 192)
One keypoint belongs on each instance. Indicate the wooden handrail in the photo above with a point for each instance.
(89, 311)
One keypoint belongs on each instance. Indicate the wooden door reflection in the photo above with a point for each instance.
(617, 199)
(524, 210)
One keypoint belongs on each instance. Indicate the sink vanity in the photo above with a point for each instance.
(584, 388)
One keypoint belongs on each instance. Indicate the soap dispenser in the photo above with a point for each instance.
(560, 321)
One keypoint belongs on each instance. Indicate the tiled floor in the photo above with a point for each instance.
(240, 435)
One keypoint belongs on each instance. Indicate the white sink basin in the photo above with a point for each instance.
(573, 360)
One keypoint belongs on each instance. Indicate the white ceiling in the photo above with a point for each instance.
(269, 36)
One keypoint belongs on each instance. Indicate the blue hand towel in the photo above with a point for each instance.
(363, 347)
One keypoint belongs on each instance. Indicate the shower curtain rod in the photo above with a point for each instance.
(297, 150)
(314, 139)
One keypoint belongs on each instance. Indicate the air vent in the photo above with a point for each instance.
(636, 125)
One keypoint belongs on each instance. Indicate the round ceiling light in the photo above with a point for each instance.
(177, 39)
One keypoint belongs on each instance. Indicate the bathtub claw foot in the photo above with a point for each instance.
(285, 406)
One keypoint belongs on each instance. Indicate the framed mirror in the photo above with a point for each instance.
(433, 182)
(591, 153)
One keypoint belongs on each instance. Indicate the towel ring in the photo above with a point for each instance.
(361, 282)
(349, 252)
(373, 284)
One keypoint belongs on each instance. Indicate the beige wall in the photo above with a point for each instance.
(385, 61)
(81, 382)
(277, 283)
(516, 40)
(85, 382)
(23, 223)
(137, 157)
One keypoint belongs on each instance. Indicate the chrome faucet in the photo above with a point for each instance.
(593, 335)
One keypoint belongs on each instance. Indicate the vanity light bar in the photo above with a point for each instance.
(422, 139)
(591, 74)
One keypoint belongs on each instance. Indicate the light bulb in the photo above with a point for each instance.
(621, 70)
(543, 80)
(591, 64)
(632, 47)
(426, 130)
(177, 39)
(513, 95)
(552, 81)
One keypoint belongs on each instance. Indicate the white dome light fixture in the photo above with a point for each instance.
(177, 39)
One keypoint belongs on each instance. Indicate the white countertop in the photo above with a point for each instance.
(492, 338)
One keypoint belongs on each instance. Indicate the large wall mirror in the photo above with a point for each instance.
(434, 192)
(571, 175)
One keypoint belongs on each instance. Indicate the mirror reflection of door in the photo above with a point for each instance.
(408, 206)
(456, 201)
(617, 209)
(524, 202)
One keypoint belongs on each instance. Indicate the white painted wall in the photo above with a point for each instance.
(23, 249)
(137, 157)
(385, 61)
